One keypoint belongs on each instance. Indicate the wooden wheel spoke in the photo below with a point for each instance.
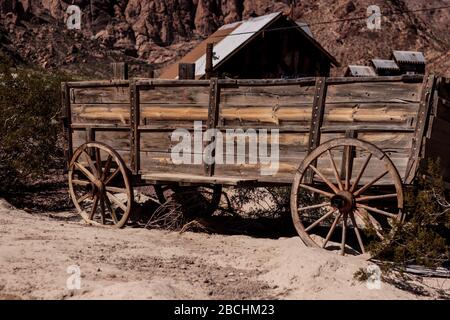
(377, 197)
(102, 209)
(322, 192)
(314, 206)
(368, 219)
(330, 232)
(369, 184)
(112, 176)
(119, 203)
(80, 182)
(90, 164)
(94, 207)
(388, 214)
(105, 204)
(348, 154)
(85, 171)
(107, 167)
(360, 173)
(335, 171)
(344, 233)
(324, 179)
(358, 235)
(84, 197)
(111, 210)
(116, 190)
(98, 161)
(320, 220)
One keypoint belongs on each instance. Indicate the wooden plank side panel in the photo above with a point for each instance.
(159, 104)
(374, 92)
(100, 105)
(94, 95)
(154, 162)
(119, 140)
(367, 114)
(256, 105)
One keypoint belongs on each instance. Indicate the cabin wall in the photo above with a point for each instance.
(275, 55)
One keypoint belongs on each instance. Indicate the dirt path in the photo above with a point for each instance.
(35, 252)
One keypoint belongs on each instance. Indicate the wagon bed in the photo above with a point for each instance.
(400, 121)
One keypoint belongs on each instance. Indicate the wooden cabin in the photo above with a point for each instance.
(385, 67)
(409, 62)
(270, 46)
(359, 71)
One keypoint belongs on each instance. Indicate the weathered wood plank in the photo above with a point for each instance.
(378, 92)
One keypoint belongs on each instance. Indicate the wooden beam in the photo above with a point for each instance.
(209, 60)
(66, 120)
(134, 122)
(421, 126)
(318, 112)
(213, 116)
(186, 71)
(120, 70)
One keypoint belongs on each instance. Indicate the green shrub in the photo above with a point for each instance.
(29, 125)
(424, 237)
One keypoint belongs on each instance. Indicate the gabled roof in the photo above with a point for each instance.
(383, 64)
(360, 71)
(415, 57)
(229, 38)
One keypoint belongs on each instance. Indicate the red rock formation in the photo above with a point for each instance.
(158, 31)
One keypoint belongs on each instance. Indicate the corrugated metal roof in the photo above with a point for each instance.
(361, 71)
(171, 71)
(244, 32)
(305, 28)
(409, 57)
(384, 64)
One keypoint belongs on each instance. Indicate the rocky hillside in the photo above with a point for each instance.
(158, 31)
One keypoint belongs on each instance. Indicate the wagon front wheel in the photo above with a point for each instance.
(99, 185)
(347, 191)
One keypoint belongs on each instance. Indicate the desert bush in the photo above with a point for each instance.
(423, 238)
(29, 126)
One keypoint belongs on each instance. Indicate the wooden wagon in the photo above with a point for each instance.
(347, 146)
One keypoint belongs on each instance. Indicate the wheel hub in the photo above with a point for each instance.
(97, 186)
(343, 201)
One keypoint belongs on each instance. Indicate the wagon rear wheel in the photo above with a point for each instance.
(342, 185)
(99, 185)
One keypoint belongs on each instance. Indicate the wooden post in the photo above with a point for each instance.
(318, 111)
(186, 71)
(151, 73)
(213, 118)
(120, 70)
(209, 60)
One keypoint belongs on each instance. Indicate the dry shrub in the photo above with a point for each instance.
(423, 239)
(29, 126)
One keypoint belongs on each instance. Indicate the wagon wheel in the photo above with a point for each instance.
(99, 185)
(324, 198)
(196, 200)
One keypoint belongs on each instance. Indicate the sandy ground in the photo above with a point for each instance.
(134, 263)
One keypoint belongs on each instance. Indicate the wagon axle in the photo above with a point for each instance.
(344, 201)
